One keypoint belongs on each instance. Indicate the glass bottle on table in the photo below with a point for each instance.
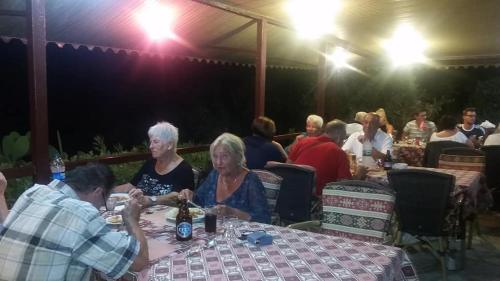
(183, 223)
(367, 159)
(57, 168)
(388, 161)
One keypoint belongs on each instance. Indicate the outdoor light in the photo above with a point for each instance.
(156, 19)
(406, 46)
(339, 57)
(313, 18)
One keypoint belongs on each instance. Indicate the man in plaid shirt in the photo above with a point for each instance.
(55, 231)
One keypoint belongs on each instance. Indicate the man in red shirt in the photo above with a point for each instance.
(324, 154)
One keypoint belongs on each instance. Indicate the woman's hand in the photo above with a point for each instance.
(138, 195)
(187, 194)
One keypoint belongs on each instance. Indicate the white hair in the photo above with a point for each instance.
(234, 144)
(316, 120)
(165, 132)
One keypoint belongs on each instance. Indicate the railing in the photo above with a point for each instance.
(26, 171)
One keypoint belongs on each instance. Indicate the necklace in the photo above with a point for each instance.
(232, 182)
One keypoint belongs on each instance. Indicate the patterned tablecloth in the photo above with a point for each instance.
(411, 154)
(467, 182)
(294, 255)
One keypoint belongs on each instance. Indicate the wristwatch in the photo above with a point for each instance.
(154, 200)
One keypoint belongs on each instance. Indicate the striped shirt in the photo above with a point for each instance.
(414, 131)
(52, 235)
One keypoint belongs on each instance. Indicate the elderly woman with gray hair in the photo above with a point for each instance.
(231, 187)
(162, 177)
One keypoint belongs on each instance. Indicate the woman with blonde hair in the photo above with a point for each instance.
(384, 122)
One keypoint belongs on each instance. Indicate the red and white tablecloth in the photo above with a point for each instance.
(411, 154)
(294, 255)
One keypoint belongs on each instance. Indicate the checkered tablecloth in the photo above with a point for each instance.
(294, 255)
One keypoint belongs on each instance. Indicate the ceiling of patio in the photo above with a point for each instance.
(455, 29)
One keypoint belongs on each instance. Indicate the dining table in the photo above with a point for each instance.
(293, 255)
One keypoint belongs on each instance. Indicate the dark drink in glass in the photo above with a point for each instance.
(210, 222)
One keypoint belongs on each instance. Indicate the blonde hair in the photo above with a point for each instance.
(233, 143)
(316, 120)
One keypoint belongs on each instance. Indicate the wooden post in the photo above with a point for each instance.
(37, 80)
(260, 68)
(322, 79)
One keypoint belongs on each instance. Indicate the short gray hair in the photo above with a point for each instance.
(335, 128)
(165, 132)
(233, 143)
(316, 120)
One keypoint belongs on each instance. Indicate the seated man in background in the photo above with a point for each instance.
(371, 144)
(420, 127)
(59, 234)
(357, 125)
(324, 154)
(469, 127)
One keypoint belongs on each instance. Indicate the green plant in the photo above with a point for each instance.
(99, 146)
(15, 146)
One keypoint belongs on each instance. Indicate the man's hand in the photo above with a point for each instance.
(138, 195)
(132, 211)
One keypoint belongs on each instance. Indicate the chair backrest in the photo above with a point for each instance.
(434, 149)
(272, 185)
(492, 157)
(466, 151)
(360, 183)
(357, 212)
(462, 162)
(422, 199)
(294, 199)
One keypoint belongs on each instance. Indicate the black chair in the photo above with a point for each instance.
(422, 204)
(296, 191)
(434, 149)
(464, 151)
(492, 155)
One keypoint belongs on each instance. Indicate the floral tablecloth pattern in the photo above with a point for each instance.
(411, 154)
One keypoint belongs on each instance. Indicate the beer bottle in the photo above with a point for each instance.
(388, 161)
(183, 223)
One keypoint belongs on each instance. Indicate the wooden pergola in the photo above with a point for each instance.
(366, 17)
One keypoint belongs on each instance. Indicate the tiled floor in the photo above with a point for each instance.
(482, 261)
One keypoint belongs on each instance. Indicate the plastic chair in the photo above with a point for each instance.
(272, 185)
(434, 149)
(296, 191)
(422, 205)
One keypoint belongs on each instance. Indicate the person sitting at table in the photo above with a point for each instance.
(325, 155)
(448, 131)
(357, 125)
(469, 127)
(493, 139)
(385, 126)
(4, 211)
(230, 186)
(161, 178)
(420, 127)
(371, 144)
(314, 128)
(260, 147)
(55, 231)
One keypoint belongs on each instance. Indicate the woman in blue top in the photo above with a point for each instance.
(231, 186)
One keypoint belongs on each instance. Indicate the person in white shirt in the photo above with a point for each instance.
(450, 132)
(371, 144)
(493, 139)
(356, 126)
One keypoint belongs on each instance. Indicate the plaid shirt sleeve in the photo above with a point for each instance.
(106, 250)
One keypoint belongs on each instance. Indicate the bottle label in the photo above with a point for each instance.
(184, 229)
(58, 176)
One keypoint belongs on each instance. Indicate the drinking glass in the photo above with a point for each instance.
(111, 204)
(231, 223)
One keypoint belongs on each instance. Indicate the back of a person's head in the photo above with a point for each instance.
(336, 128)
(359, 116)
(447, 122)
(85, 179)
(264, 127)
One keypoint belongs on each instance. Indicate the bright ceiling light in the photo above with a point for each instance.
(313, 18)
(406, 46)
(156, 19)
(339, 57)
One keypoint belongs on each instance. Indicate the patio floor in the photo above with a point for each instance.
(482, 261)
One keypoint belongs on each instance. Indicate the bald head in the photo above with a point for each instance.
(371, 123)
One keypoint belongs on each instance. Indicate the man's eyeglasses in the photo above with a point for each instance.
(470, 115)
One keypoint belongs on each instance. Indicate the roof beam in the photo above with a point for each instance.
(12, 13)
(256, 16)
(230, 34)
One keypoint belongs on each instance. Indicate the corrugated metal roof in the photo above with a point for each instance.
(459, 29)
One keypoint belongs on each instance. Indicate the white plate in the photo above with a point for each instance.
(121, 197)
(197, 214)
(117, 219)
